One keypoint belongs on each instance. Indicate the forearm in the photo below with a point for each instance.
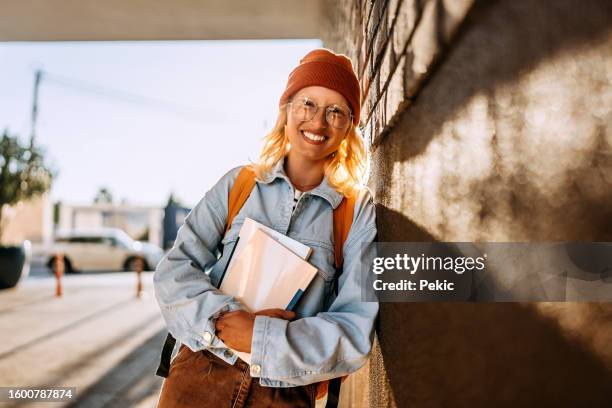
(192, 320)
(188, 301)
(311, 349)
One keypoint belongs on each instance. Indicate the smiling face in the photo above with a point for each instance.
(314, 140)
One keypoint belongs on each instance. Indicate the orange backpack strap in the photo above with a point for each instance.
(343, 219)
(239, 193)
(343, 214)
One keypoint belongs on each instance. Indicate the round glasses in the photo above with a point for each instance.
(305, 109)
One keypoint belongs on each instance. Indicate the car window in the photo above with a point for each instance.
(95, 240)
(109, 241)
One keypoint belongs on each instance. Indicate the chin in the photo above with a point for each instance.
(309, 156)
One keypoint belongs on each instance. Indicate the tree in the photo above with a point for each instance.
(23, 173)
(103, 196)
(57, 207)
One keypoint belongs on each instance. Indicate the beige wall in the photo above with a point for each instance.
(503, 135)
(31, 220)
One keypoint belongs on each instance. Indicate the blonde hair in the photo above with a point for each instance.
(345, 170)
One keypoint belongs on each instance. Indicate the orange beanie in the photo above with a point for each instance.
(322, 67)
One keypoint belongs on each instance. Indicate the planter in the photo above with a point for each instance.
(14, 264)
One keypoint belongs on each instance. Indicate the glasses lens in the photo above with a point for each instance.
(337, 116)
(303, 109)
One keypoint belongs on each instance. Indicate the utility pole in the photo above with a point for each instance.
(37, 78)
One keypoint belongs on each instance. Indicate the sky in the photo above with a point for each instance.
(145, 119)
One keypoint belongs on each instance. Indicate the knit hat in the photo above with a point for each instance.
(322, 67)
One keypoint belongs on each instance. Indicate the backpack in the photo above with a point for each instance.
(343, 219)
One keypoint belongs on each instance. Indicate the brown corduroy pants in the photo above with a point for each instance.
(202, 379)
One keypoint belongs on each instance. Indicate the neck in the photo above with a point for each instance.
(303, 173)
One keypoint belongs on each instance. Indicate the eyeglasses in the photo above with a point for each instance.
(304, 109)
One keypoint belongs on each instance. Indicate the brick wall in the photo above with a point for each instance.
(394, 45)
(486, 121)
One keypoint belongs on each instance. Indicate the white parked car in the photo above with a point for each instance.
(102, 249)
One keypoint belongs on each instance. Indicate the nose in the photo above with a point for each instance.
(320, 119)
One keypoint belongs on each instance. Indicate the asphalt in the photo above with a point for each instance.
(98, 337)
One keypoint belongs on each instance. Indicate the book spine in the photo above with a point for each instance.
(294, 301)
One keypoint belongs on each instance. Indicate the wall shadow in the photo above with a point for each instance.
(130, 382)
(480, 354)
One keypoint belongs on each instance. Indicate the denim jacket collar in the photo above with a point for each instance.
(323, 190)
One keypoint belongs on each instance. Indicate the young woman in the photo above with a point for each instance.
(311, 160)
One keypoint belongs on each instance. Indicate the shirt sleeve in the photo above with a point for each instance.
(332, 343)
(188, 301)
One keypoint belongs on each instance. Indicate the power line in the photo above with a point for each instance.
(133, 98)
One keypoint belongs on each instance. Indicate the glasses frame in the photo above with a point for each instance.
(290, 103)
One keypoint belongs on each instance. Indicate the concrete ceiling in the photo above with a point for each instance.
(107, 20)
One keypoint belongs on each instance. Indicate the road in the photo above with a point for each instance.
(98, 337)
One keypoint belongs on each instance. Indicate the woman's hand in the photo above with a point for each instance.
(235, 328)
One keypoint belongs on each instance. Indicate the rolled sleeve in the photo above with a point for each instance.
(188, 301)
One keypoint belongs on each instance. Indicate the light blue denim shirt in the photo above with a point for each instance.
(331, 335)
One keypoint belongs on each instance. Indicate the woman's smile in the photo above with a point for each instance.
(313, 138)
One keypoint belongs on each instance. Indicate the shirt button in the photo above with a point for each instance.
(207, 337)
(228, 353)
(255, 369)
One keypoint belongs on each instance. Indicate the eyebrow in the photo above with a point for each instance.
(313, 99)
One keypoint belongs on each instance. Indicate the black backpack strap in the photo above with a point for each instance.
(333, 392)
(164, 361)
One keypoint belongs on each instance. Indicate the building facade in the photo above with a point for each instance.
(30, 220)
(141, 223)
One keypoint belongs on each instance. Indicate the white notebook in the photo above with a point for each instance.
(250, 226)
(265, 274)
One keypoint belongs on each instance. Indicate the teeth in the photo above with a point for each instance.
(313, 137)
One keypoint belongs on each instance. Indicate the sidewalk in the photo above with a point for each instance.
(98, 338)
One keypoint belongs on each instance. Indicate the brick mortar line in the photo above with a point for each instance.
(402, 56)
(407, 101)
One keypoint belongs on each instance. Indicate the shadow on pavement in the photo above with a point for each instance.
(129, 382)
(65, 328)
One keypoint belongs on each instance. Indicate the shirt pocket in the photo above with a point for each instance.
(224, 253)
(322, 258)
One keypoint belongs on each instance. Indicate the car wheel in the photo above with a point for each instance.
(67, 266)
(130, 264)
